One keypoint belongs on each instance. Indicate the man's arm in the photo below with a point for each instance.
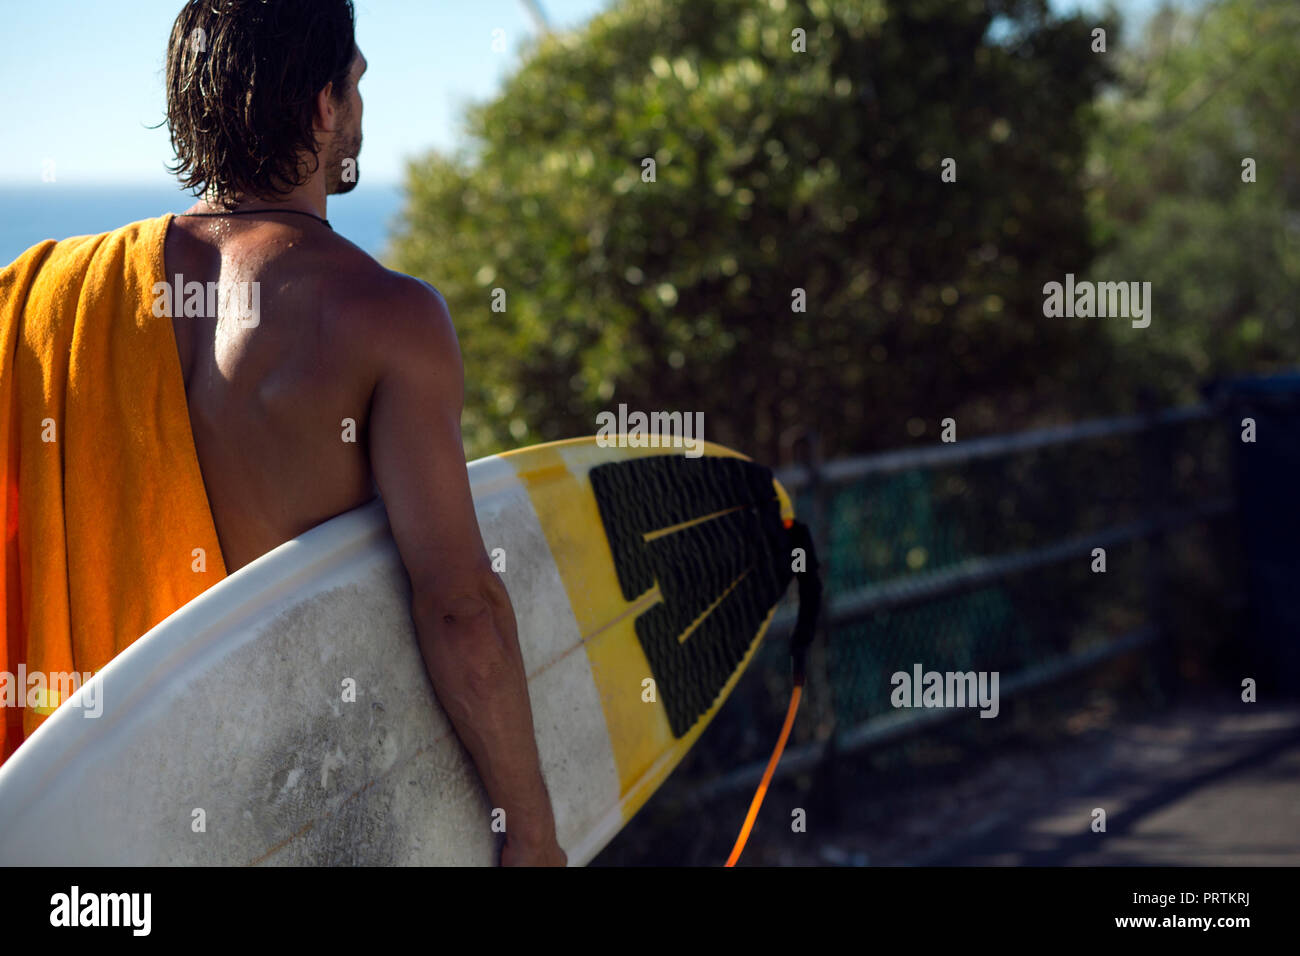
(461, 610)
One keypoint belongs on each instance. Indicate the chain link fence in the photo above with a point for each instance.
(982, 556)
(975, 556)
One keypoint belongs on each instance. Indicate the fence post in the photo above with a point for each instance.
(823, 712)
(1156, 472)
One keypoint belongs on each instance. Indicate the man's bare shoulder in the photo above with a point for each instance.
(390, 317)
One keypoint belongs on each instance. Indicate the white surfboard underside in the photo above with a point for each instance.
(231, 714)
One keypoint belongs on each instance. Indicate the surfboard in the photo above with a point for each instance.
(284, 717)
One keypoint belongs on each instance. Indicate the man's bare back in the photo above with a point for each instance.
(279, 409)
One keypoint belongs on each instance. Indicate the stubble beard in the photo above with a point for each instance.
(348, 149)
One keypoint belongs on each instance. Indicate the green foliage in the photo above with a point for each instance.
(1201, 93)
(776, 170)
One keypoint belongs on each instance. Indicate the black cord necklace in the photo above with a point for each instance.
(253, 212)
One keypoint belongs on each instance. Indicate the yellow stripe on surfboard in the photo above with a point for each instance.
(640, 736)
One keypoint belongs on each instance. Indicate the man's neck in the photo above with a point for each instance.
(310, 197)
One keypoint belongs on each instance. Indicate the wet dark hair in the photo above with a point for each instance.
(242, 79)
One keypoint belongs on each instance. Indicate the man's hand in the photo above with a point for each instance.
(516, 853)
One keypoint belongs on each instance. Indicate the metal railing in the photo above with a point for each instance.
(819, 481)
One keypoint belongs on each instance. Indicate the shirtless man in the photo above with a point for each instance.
(265, 116)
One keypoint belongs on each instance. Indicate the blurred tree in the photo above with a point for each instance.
(1203, 92)
(776, 170)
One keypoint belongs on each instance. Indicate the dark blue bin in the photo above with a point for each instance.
(1268, 510)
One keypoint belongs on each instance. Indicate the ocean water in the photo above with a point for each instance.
(30, 214)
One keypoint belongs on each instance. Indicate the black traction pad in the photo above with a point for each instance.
(738, 560)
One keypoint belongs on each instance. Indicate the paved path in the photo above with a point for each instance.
(1190, 788)
(1207, 783)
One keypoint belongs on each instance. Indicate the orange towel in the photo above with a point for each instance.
(105, 507)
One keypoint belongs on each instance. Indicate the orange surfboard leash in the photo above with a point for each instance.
(810, 601)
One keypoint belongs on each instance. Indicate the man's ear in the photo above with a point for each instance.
(327, 110)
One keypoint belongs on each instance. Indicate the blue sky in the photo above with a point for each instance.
(82, 80)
